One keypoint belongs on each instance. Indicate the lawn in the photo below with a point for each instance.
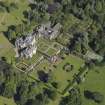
(94, 82)
(62, 76)
(42, 46)
(51, 52)
(6, 48)
(5, 101)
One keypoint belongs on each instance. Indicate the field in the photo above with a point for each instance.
(6, 48)
(95, 81)
(62, 76)
(5, 101)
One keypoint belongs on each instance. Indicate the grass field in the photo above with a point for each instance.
(62, 76)
(6, 48)
(51, 52)
(94, 82)
(5, 101)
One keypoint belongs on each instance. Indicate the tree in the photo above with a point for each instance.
(9, 89)
(43, 76)
(74, 98)
(33, 102)
(50, 93)
(96, 96)
(39, 99)
(13, 6)
(55, 84)
(98, 6)
(4, 6)
(2, 9)
(42, 98)
(79, 43)
(21, 96)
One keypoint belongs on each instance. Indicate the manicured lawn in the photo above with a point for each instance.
(42, 46)
(51, 52)
(5, 101)
(61, 76)
(94, 82)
